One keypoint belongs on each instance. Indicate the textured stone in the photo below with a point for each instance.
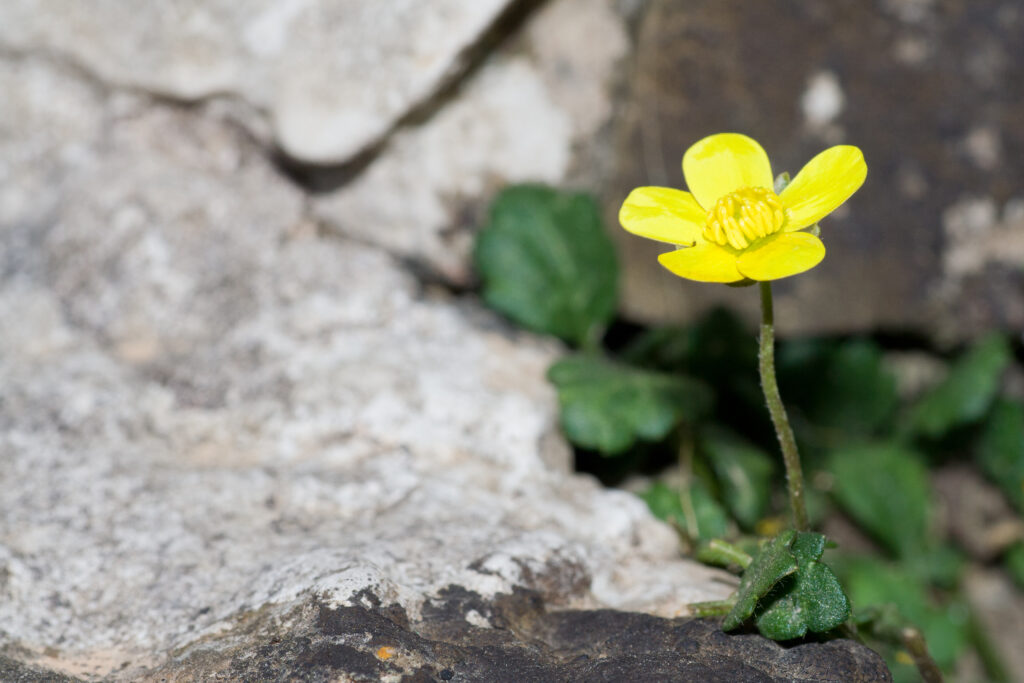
(49, 124)
(521, 118)
(528, 644)
(929, 90)
(504, 128)
(209, 410)
(334, 76)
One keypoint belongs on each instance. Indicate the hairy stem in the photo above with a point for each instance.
(770, 386)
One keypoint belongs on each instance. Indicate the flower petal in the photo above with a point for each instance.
(823, 185)
(706, 262)
(782, 255)
(664, 214)
(722, 163)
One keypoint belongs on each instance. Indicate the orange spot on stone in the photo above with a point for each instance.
(386, 652)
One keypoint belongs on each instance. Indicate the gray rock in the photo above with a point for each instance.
(933, 241)
(523, 117)
(209, 410)
(49, 125)
(528, 644)
(333, 76)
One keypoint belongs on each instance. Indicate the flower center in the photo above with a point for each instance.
(744, 216)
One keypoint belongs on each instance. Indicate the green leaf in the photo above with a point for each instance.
(886, 490)
(966, 394)
(607, 406)
(774, 562)
(872, 582)
(547, 263)
(692, 509)
(809, 601)
(744, 473)
(840, 389)
(1001, 450)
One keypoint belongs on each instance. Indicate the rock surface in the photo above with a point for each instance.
(527, 644)
(210, 409)
(929, 90)
(522, 118)
(333, 76)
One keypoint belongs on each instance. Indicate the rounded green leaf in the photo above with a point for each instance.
(608, 406)
(547, 263)
(773, 562)
(809, 601)
(886, 490)
(966, 393)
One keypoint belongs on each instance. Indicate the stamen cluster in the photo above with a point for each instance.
(744, 216)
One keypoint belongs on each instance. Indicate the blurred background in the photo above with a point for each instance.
(245, 233)
(401, 120)
(930, 90)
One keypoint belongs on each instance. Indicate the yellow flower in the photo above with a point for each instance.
(731, 225)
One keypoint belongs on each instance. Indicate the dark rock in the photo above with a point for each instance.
(929, 90)
(13, 671)
(453, 643)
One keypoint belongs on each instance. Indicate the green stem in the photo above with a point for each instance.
(770, 386)
(729, 552)
(712, 608)
(686, 483)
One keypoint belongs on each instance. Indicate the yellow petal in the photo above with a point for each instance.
(720, 164)
(823, 185)
(782, 255)
(663, 214)
(706, 262)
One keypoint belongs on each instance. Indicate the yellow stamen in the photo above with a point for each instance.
(744, 216)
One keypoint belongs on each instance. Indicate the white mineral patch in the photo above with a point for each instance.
(910, 11)
(823, 99)
(977, 235)
(983, 147)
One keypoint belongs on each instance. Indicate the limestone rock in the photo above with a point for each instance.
(209, 410)
(367, 87)
(929, 90)
(333, 76)
(522, 117)
(49, 124)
